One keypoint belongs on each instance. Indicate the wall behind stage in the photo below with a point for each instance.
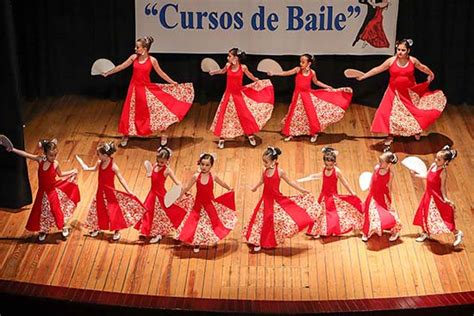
(59, 40)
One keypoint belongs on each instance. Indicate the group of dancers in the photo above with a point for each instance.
(204, 220)
(406, 109)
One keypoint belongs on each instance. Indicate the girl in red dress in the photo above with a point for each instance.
(277, 217)
(339, 213)
(407, 108)
(55, 200)
(378, 212)
(243, 110)
(311, 111)
(150, 107)
(160, 220)
(111, 209)
(435, 214)
(374, 33)
(211, 219)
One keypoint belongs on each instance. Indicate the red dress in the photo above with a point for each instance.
(377, 207)
(434, 215)
(374, 33)
(211, 219)
(407, 108)
(112, 209)
(158, 219)
(243, 110)
(311, 111)
(276, 216)
(55, 201)
(151, 107)
(339, 213)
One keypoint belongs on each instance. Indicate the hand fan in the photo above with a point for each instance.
(101, 66)
(269, 65)
(415, 164)
(148, 168)
(309, 178)
(172, 195)
(81, 162)
(364, 180)
(353, 73)
(5, 142)
(209, 64)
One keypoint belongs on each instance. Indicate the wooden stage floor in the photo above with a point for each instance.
(335, 268)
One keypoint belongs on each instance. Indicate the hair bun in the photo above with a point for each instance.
(454, 153)
(327, 149)
(393, 159)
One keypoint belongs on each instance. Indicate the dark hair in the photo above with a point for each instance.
(146, 41)
(329, 154)
(239, 53)
(48, 145)
(309, 57)
(389, 157)
(272, 152)
(163, 152)
(408, 42)
(448, 153)
(206, 156)
(107, 148)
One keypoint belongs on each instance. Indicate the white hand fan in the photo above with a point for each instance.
(209, 64)
(81, 162)
(415, 164)
(364, 180)
(352, 73)
(309, 178)
(172, 195)
(100, 66)
(148, 168)
(5, 142)
(269, 65)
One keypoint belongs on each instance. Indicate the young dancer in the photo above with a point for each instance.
(407, 108)
(111, 209)
(277, 217)
(243, 110)
(150, 107)
(211, 219)
(378, 212)
(55, 200)
(435, 214)
(311, 111)
(339, 213)
(160, 220)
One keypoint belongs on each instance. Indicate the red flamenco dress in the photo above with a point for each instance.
(434, 215)
(158, 219)
(378, 214)
(277, 217)
(112, 209)
(311, 111)
(339, 213)
(55, 201)
(243, 110)
(407, 108)
(210, 219)
(374, 33)
(151, 107)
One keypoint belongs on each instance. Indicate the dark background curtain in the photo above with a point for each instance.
(59, 40)
(15, 189)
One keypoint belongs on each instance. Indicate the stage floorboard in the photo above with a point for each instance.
(302, 269)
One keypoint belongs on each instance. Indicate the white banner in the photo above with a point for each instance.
(270, 27)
